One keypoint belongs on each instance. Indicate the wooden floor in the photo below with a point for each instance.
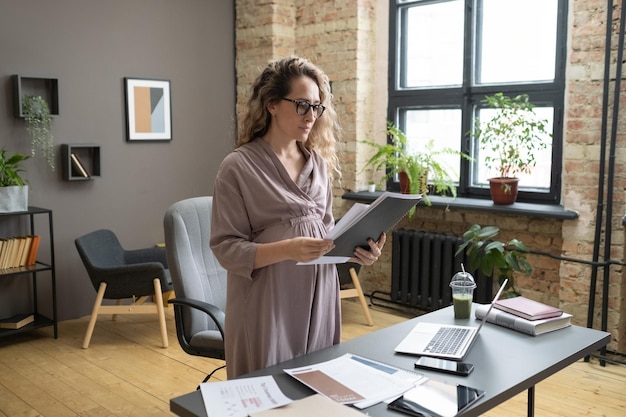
(125, 372)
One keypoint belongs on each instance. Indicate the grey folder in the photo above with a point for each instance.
(369, 221)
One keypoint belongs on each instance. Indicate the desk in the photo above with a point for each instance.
(506, 362)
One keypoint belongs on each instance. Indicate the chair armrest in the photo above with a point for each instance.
(214, 312)
(152, 254)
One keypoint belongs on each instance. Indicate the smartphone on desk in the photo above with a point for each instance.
(444, 365)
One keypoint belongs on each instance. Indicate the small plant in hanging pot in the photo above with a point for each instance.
(13, 188)
(510, 140)
(39, 126)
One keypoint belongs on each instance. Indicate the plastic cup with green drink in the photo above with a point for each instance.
(462, 285)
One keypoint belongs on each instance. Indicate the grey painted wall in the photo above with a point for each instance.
(90, 46)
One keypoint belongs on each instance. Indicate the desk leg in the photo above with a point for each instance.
(531, 401)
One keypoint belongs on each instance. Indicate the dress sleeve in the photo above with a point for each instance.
(231, 235)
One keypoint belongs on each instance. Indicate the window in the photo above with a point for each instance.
(447, 55)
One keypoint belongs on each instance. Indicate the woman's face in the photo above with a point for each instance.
(285, 117)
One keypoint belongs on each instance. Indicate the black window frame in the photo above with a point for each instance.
(468, 97)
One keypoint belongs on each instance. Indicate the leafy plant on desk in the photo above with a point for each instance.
(494, 258)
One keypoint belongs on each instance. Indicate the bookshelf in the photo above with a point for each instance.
(39, 270)
(80, 162)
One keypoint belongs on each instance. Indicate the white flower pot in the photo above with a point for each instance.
(13, 198)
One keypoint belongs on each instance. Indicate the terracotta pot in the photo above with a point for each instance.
(503, 190)
(405, 185)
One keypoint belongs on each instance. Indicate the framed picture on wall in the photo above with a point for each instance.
(148, 109)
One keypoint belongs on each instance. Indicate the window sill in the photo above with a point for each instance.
(525, 209)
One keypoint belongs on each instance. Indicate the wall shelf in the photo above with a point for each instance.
(48, 88)
(80, 162)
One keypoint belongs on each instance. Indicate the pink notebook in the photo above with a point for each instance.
(527, 308)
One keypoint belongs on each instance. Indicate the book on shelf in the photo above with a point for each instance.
(78, 167)
(34, 249)
(527, 308)
(27, 246)
(17, 321)
(530, 327)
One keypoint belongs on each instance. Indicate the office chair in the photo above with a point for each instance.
(348, 275)
(199, 280)
(117, 274)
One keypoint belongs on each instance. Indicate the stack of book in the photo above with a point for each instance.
(18, 251)
(525, 315)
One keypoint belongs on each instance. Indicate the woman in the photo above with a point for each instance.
(272, 206)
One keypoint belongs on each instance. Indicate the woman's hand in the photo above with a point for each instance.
(365, 257)
(306, 249)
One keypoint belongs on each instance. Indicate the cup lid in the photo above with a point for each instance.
(463, 279)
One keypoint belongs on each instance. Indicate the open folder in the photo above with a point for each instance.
(364, 221)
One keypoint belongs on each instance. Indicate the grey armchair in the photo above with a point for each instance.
(199, 280)
(117, 273)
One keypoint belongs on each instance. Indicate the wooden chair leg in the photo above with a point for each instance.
(94, 314)
(117, 303)
(359, 290)
(158, 299)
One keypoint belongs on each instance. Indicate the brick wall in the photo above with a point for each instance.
(348, 39)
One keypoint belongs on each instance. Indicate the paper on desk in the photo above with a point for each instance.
(351, 379)
(312, 406)
(240, 397)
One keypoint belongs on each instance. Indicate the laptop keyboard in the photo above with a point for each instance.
(447, 340)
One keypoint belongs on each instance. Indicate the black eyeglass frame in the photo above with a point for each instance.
(302, 104)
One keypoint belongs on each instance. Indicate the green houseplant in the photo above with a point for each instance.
(495, 258)
(13, 188)
(39, 126)
(510, 140)
(419, 168)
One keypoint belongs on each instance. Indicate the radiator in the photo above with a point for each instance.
(421, 268)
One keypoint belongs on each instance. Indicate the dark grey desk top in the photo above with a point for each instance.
(506, 362)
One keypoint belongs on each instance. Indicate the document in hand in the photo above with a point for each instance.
(365, 221)
(351, 379)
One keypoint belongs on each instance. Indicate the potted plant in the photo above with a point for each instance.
(510, 140)
(494, 258)
(13, 188)
(39, 126)
(416, 170)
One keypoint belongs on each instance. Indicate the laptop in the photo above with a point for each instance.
(443, 340)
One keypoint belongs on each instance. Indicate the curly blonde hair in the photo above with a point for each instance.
(271, 86)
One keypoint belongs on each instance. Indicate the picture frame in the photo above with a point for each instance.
(148, 109)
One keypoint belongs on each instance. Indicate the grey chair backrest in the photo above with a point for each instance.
(195, 271)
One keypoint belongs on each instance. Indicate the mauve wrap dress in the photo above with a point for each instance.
(283, 310)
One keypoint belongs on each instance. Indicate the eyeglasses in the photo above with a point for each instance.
(302, 107)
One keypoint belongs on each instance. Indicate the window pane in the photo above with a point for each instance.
(517, 41)
(433, 50)
(443, 126)
(539, 178)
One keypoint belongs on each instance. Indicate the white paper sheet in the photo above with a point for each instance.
(351, 379)
(240, 397)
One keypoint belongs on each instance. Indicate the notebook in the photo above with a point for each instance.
(443, 340)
